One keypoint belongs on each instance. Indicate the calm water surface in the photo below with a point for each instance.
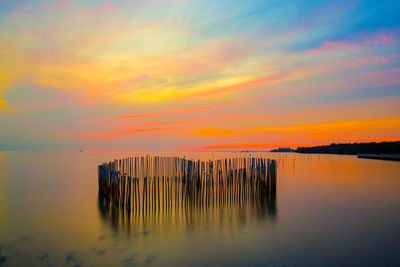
(329, 210)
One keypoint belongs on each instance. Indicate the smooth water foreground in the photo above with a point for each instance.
(328, 210)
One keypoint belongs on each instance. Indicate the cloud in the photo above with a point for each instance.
(385, 38)
(323, 128)
(113, 134)
(244, 146)
(163, 113)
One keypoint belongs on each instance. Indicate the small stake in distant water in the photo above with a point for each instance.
(3, 259)
(43, 256)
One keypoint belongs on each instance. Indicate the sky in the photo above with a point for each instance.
(197, 75)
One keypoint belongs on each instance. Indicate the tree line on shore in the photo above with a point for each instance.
(354, 148)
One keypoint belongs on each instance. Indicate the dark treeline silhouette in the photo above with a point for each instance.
(354, 148)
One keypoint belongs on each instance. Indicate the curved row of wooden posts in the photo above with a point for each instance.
(151, 183)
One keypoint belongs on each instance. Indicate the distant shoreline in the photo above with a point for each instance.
(392, 157)
(371, 150)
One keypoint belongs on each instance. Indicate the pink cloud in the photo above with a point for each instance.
(334, 46)
(385, 38)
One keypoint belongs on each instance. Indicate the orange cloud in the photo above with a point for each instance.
(167, 112)
(114, 149)
(124, 117)
(214, 132)
(334, 127)
(232, 146)
(106, 135)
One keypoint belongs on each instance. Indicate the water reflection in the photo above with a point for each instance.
(180, 204)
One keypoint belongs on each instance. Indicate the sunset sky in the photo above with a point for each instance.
(197, 75)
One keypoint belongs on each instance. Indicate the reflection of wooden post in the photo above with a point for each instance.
(273, 176)
(128, 197)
